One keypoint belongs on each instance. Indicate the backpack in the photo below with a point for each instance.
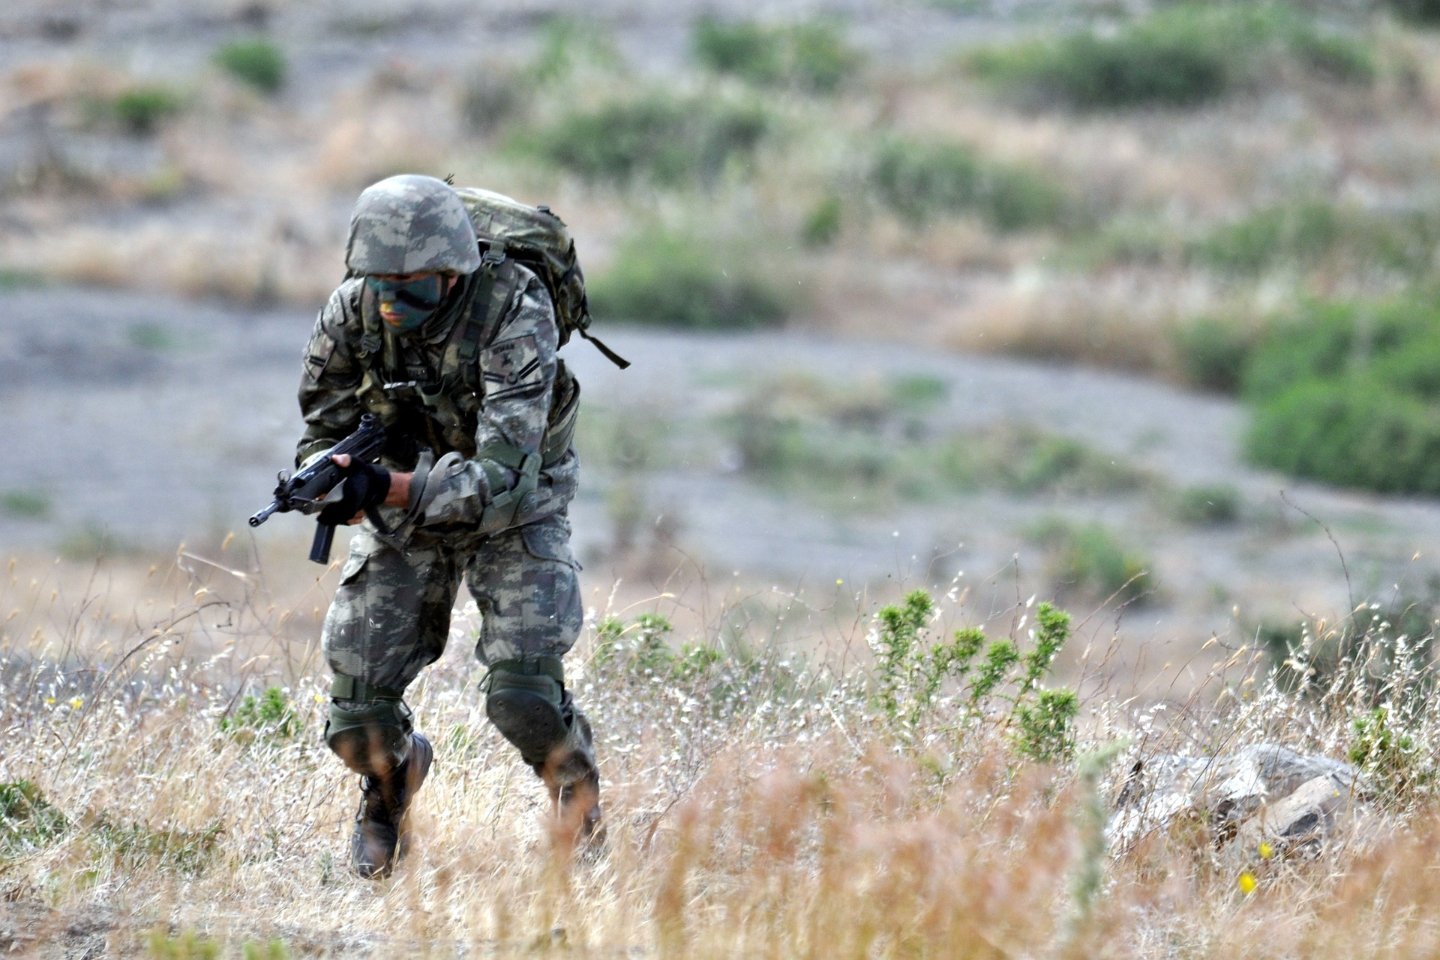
(537, 238)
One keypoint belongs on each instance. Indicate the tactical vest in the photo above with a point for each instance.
(443, 414)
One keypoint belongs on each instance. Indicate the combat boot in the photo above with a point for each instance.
(383, 802)
(573, 780)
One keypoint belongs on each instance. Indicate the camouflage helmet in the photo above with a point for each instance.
(411, 224)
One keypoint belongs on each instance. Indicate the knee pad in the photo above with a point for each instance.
(529, 710)
(371, 736)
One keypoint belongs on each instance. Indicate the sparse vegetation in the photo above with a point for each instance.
(689, 282)
(1182, 55)
(811, 56)
(141, 110)
(258, 63)
(1088, 562)
(25, 504)
(657, 138)
(926, 181)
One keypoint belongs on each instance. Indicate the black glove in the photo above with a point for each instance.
(366, 486)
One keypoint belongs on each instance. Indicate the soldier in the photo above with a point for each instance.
(456, 356)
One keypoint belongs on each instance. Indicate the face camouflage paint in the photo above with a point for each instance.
(414, 300)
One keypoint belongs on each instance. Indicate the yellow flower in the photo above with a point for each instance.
(49, 701)
(1266, 851)
(76, 703)
(1248, 883)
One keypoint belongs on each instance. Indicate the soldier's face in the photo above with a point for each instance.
(407, 300)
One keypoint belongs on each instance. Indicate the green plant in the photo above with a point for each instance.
(824, 222)
(683, 281)
(1353, 431)
(271, 715)
(25, 504)
(133, 845)
(1392, 757)
(258, 63)
(809, 56)
(186, 946)
(660, 138)
(1418, 11)
(1312, 232)
(926, 180)
(1212, 353)
(27, 820)
(1181, 55)
(911, 672)
(1087, 560)
(141, 110)
(1208, 505)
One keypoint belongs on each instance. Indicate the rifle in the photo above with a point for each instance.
(306, 490)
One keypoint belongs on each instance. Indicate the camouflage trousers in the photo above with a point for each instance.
(391, 614)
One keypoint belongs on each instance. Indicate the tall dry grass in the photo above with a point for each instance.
(760, 805)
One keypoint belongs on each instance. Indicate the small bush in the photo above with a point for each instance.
(1392, 758)
(809, 56)
(27, 820)
(823, 223)
(664, 139)
(912, 671)
(1212, 353)
(1352, 431)
(1311, 233)
(271, 715)
(1180, 56)
(925, 181)
(141, 111)
(1346, 394)
(258, 63)
(1330, 339)
(1417, 11)
(1086, 560)
(671, 280)
(1210, 505)
(25, 504)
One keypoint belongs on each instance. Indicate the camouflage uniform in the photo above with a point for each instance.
(479, 386)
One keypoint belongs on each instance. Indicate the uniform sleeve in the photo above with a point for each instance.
(517, 371)
(331, 376)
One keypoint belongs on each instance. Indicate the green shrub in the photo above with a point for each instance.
(27, 820)
(1313, 232)
(1180, 56)
(1346, 393)
(272, 715)
(912, 671)
(924, 181)
(823, 223)
(660, 138)
(809, 56)
(1212, 353)
(1326, 340)
(25, 504)
(141, 110)
(257, 63)
(672, 280)
(133, 845)
(1393, 759)
(1352, 431)
(1087, 561)
(1418, 11)
(1209, 505)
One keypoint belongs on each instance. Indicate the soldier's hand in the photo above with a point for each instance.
(366, 485)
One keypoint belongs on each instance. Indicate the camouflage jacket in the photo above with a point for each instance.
(481, 380)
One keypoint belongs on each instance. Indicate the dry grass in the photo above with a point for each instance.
(766, 809)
